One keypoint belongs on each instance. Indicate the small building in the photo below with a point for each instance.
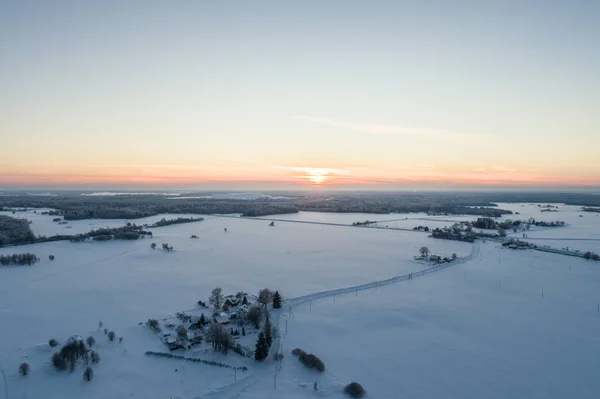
(231, 300)
(435, 258)
(222, 318)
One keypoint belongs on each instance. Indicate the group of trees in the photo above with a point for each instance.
(165, 246)
(15, 231)
(18, 259)
(222, 340)
(129, 232)
(268, 297)
(164, 222)
(591, 256)
(265, 339)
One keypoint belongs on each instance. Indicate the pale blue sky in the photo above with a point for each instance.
(379, 90)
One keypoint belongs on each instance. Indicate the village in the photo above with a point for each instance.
(228, 322)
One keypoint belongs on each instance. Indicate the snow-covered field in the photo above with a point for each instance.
(479, 328)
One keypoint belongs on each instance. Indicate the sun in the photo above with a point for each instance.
(318, 175)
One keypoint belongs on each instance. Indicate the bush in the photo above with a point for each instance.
(309, 360)
(24, 369)
(95, 357)
(297, 352)
(90, 341)
(312, 361)
(105, 331)
(354, 390)
(88, 374)
(111, 336)
(53, 343)
(51, 257)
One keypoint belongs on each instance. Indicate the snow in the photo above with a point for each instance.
(478, 327)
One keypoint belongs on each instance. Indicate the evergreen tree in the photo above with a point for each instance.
(268, 333)
(262, 351)
(243, 331)
(245, 301)
(276, 300)
(202, 319)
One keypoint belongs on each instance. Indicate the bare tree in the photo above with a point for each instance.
(424, 251)
(254, 316)
(221, 339)
(453, 256)
(265, 296)
(24, 369)
(181, 332)
(88, 374)
(216, 297)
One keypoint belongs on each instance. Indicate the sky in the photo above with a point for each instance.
(307, 94)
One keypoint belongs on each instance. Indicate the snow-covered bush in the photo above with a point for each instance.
(111, 336)
(354, 390)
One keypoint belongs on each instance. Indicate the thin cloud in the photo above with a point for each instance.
(377, 129)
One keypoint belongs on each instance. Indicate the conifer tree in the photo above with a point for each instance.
(276, 300)
(262, 351)
(268, 333)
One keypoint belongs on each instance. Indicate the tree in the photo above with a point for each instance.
(153, 245)
(51, 257)
(95, 357)
(53, 343)
(90, 341)
(424, 251)
(88, 374)
(111, 336)
(225, 307)
(254, 315)
(276, 300)
(243, 331)
(221, 339)
(502, 232)
(262, 350)
(268, 333)
(24, 369)
(587, 255)
(216, 297)
(453, 256)
(100, 324)
(245, 301)
(265, 296)
(181, 332)
(105, 331)
(202, 319)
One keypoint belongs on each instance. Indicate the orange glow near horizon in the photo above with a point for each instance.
(294, 176)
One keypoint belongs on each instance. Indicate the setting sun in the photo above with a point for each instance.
(318, 175)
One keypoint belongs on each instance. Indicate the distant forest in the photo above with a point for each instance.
(74, 206)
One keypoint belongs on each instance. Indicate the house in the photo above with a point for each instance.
(435, 258)
(231, 300)
(172, 343)
(222, 318)
(241, 312)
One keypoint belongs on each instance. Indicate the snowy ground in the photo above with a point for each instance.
(476, 329)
